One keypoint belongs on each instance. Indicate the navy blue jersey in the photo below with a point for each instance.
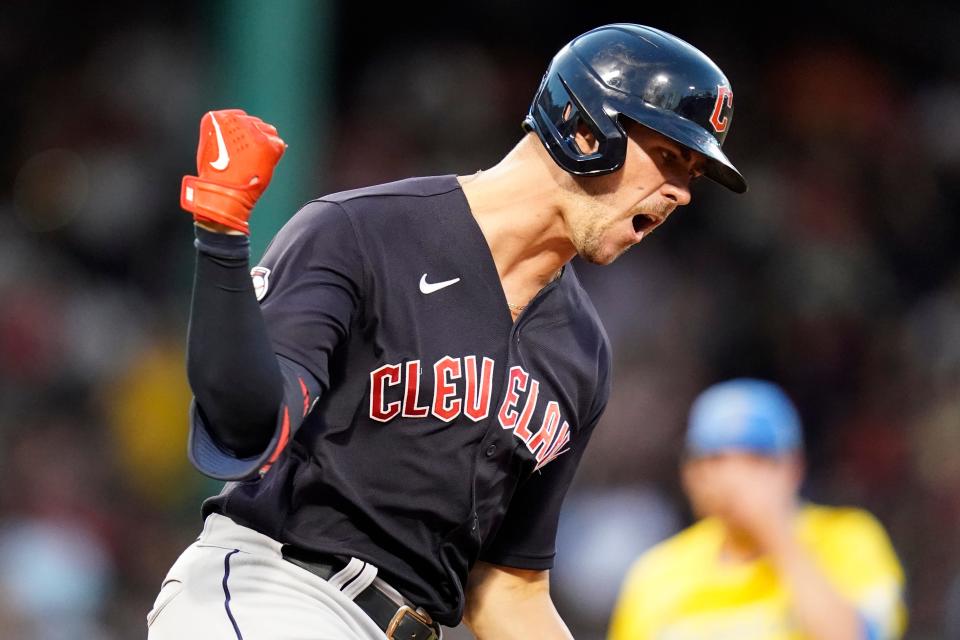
(444, 432)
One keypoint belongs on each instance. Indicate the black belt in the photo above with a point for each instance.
(399, 621)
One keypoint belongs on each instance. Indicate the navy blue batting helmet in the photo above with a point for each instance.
(646, 75)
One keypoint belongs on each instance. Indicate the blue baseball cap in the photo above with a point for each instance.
(743, 414)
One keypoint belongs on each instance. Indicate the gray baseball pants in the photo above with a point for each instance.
(233, 584)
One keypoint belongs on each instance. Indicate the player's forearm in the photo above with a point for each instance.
(818, 608)
(507, 604)
(230, 362)
(519, 620)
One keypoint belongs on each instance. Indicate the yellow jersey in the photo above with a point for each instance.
(680, 589)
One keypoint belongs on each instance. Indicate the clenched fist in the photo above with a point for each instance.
(235, 161)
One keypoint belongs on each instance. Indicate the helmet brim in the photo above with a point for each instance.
(692, 136)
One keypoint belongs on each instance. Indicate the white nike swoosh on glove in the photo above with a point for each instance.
(223, 161)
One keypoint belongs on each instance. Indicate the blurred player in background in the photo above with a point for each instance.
(760, 563)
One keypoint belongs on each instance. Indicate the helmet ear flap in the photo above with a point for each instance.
(558, 115)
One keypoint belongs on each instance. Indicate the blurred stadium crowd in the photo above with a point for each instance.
(837, 275)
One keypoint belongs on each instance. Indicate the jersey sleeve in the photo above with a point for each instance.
(865, 567)
(527, 537)
(309, 283)
(300, 391)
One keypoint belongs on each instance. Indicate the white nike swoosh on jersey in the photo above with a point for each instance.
(430, 287)
(223, 160)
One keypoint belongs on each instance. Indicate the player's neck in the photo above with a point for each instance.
(517, 207)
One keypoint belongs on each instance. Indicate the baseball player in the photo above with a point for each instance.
(402, 394)
(760, 565)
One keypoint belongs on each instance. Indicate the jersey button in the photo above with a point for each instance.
(492, 449)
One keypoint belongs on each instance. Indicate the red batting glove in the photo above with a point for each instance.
(235, 161)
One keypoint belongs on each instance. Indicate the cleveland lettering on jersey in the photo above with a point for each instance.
(395, 391)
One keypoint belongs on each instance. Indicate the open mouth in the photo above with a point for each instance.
(644, 222)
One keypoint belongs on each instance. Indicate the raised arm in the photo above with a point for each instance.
(231, 367)
(258, 358)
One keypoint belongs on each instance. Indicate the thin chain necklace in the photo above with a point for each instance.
(520, 307)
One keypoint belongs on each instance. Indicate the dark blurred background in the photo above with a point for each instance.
(837, 275)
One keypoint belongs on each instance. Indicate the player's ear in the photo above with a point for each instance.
(798, 467)
(694, 483)
(586, 141)
(688, 475)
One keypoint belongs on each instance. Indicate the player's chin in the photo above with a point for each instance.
(612, 242)
(603, 254)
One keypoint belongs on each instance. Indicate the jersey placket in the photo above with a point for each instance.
(489, 459)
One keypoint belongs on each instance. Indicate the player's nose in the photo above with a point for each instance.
(676, 191)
